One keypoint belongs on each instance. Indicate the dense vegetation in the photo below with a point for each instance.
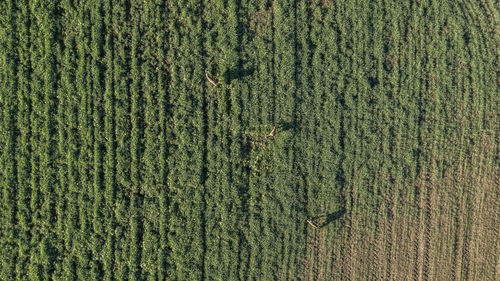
(120, 160)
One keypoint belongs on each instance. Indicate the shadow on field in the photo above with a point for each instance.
(333, 217)
(325, 219)
(237, 73)
(286, 126)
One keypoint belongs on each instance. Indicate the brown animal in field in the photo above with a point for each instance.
(312, 224)
(210, 79)
(318, 221)
(271, 134)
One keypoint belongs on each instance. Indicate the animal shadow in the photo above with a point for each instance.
(333, 217)
(237, 73)
(293, 126)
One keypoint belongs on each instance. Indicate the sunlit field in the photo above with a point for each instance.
(250, 140)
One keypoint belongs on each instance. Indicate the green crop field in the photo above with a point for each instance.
(120, 160)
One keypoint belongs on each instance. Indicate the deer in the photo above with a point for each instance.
(210, 79)
(312, 224)
(273, 131)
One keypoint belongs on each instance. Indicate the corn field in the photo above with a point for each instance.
(250, 140)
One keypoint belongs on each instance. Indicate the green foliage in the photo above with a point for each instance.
(119, 160)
